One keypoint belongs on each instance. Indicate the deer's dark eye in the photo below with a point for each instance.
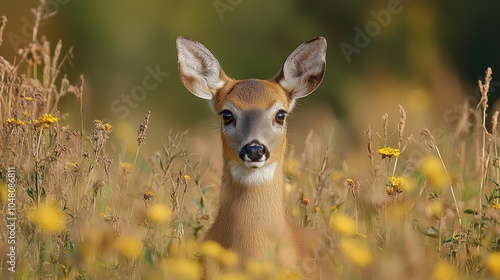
(280, 116)
(227, 116)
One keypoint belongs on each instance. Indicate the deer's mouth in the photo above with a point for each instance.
(254, 164)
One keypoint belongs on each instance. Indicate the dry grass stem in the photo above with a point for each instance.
(494, 124)
(484, 89)
(385, 119)
(429, 141)
(38, 17)
(141, 133)
(371, 152)
(463, 125)
(401, 125)
(430, 144)
(2, 27)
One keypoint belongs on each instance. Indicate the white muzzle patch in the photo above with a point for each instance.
(253, 173)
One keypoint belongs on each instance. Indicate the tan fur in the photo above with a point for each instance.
(251, 219)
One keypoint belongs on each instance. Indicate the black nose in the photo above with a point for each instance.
(253, 151)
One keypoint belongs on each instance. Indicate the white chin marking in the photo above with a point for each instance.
(252, 175)
(254, 164)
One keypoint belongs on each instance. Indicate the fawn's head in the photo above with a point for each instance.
(253, 112)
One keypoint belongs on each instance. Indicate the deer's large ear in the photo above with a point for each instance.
(198, 68)
(304, 69)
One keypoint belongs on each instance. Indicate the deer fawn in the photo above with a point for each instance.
(251, 219)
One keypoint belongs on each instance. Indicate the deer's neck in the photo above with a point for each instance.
(251, 218)
(256, 191)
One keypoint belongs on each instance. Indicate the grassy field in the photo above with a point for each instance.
(74, 210)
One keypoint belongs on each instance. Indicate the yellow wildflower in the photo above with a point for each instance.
(188, 248)
(259, 268)
(48, 119)
(305, 202)
(181, 268)
(235, 276)
(389, 152)
(289, 274)
(228, 258)
(129, 246)
(26, 113)
(211, 248)
(28, 98)
(13, 121)
(434, 209)
(434, 172)
(148, 195)
(126, 166)
(407, 184)
(357, 253)
(395, 181)
(389, 190)
(353, 184)
(398, 212)
(99, 125)
(124, 132)
(495, 206)
(343, 224)
(492, 262)
(48, 217)
(107, 127)
(187, 178)
(397, 185)
(444, 271)
(158, 213)
(215, 250)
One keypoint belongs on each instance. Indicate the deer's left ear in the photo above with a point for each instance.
(304, 69)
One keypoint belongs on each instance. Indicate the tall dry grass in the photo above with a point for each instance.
(84, 213)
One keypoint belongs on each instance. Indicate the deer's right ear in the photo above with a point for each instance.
(199, 70)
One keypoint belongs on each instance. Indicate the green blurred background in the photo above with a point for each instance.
(427, 56)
